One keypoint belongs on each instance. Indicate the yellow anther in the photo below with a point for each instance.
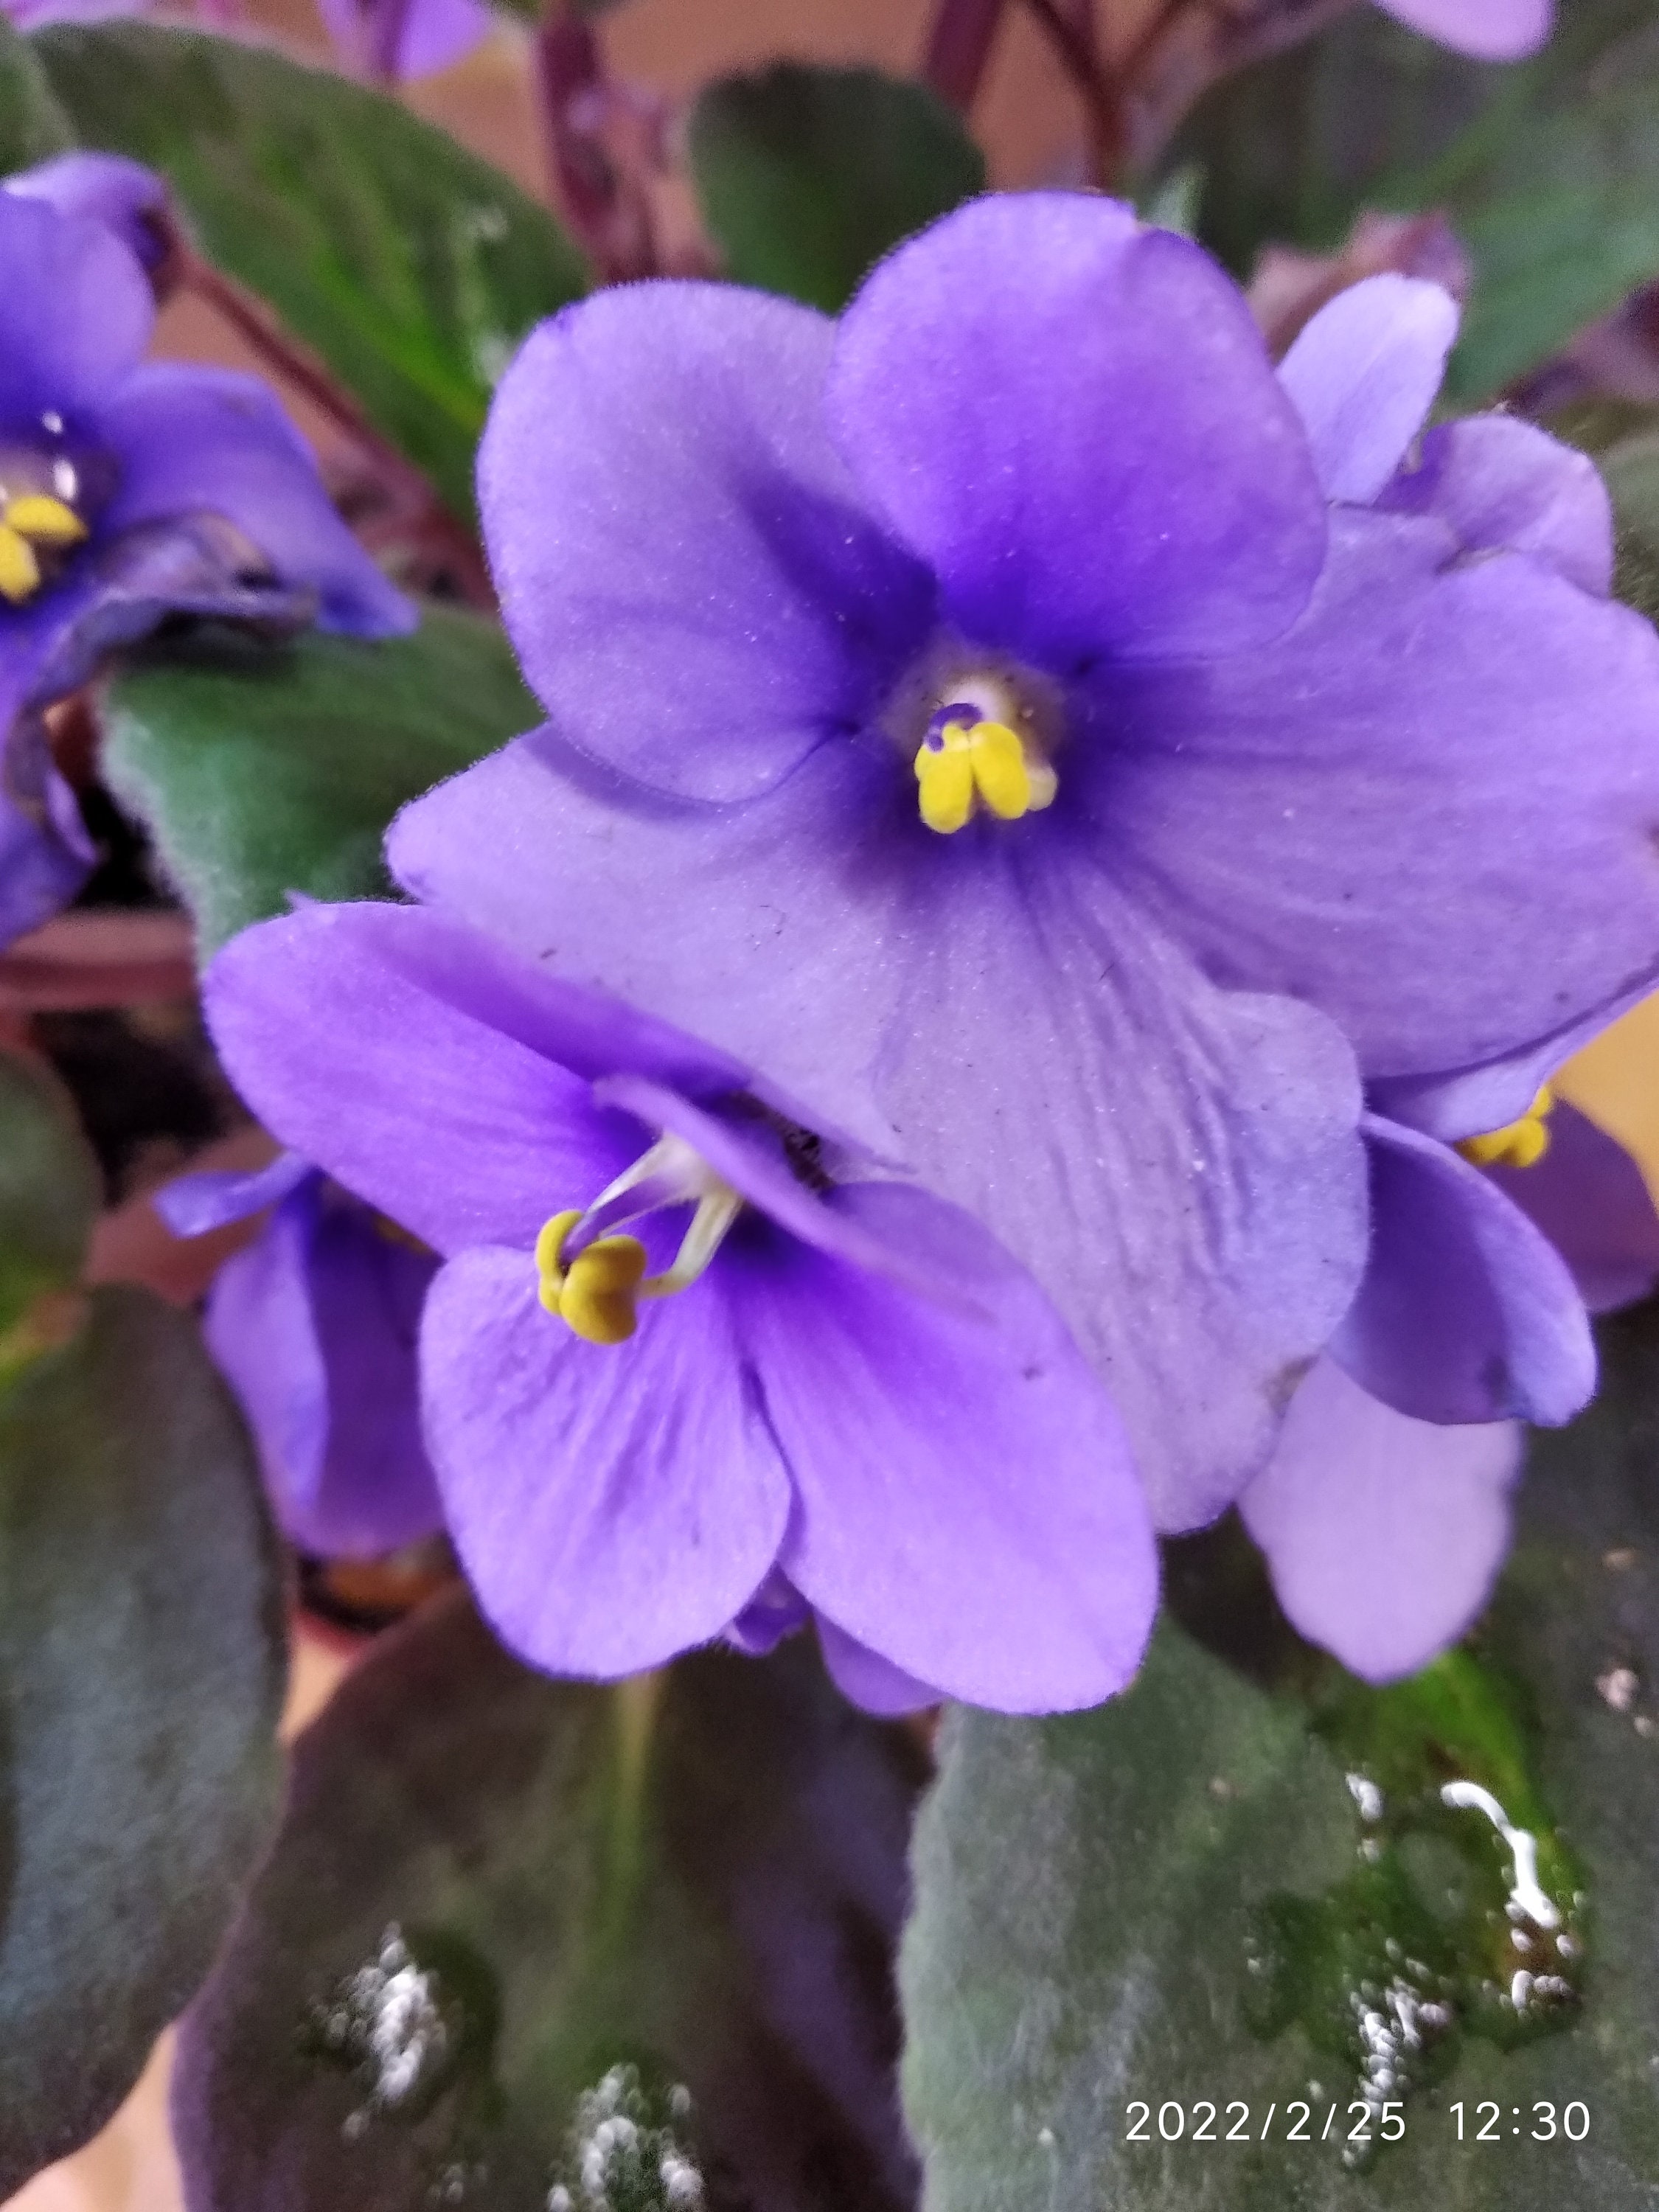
(1520, 1144)
(20, 572)
(944, 780)
(47, 521)
(594, 1295)
(985, 761)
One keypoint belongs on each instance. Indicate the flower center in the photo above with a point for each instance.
(40, 522)
(982, 744)
(592, 1279)
(1520, 1144)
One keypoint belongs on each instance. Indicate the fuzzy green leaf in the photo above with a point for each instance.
(49, 1194)
(32, 125)
(808, 176)
(1548, 170)
(1245, 1881)
(260, 772)
(141, 1674)
(413, 268)
(697, 1876)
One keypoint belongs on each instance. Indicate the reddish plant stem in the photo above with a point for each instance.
(958, 49)
(1095, 84)
(603, 201)
(98, 958)
(417, 516)
(1189, 44)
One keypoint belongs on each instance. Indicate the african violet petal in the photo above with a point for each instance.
(207, 440)
(1178, 1166)
(1362, 815)
(693, 584)
(967, 1506)
(1384, 1534)
(612, 1504)
(1587, 1196)
(657, 902)
(1466, 1313)
(42, 864)
(378, 1042)
(1074, 420)
(262, 1331)
(867, 1680)
(1363, 373)
(194, 1205)
(78, 311)
(123, 196)
(431, 35)
(1491, 30)
(1500, 484)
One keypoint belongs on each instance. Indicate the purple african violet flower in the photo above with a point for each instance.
(1491, 30)
(1385, 1534)
(1265, 739)
(392, 39)
(315, 1325)
(130, 491)
(853, 1402)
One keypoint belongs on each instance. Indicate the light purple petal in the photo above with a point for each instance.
(1363, 373)
(966, 1506)
(681, 908)
(612, 1504)
(745, 1153)
(1470, 1101)
(261, 1328)
(194, 440)
(692, 583)
(1491, 30)
(315, 1325)
(434, 33)
(126, 197)
(357, 1034)
(437, 33)
(868, 1681)
(1590, 1199)
(1468, 1313)
(1500, 484)
(1074, 422)
(1384, 1534)
(41, 868)
(191, 1205)
(1178, 1166)
(1363, 815)
(78, 311)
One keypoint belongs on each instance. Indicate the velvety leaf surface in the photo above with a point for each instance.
(1253, 1880)
(32, 125)
(699, 1876)
(1549, 170)
(259, 772)
(413, 268)
(807, 176)
(49, 1191)
(141, 1674)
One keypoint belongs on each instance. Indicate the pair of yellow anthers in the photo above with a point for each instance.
(973, 762)
(596, 1294)
(1520, 1144)
(35, 519)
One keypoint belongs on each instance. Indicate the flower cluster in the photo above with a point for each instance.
(1079, 792)
(130, 492)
